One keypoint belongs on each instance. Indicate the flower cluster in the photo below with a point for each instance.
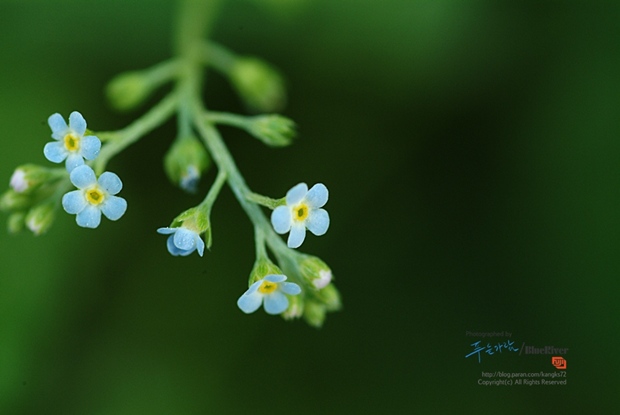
(301, 209)
(303, 286)
(35, 190)
(94, 196)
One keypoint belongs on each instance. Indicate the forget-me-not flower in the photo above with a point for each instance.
(94, 197)
(269, 291)
(302, 210)
(183, 241)
(71, 144)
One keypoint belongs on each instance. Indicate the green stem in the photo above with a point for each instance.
(226, 118)
(259, 241)
(194, 22)
(134, 131)
(225, 162)
(162, 72)
(266, 201)
(207, 203)
(220, 58)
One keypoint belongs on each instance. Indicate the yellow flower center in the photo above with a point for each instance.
(300, 212)
(72, 143)
(267, 287)
(94, 196)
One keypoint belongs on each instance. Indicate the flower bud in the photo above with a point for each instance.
(40, 218)
(128, 90)
(295, 307)
(258, 84)
(28, 177)
(314, 313)
(330, 298)
(16, 221)
(185, 162)
(11, 200)
(314, 271)
(273, 130)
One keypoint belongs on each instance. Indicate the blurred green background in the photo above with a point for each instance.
(471, 151)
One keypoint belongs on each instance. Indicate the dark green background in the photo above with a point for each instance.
(471, 150)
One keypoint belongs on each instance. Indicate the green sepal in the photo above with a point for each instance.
(263, 267)
(196, 219)
(274, 130)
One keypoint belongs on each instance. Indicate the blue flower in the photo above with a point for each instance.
(271, 289)
(94, 197)
(70, 144)
(302, 211)
(183, 241)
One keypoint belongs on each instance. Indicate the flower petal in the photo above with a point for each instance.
(184, 239)
(297, 193)
(317, 195)
(318, 222)
(73, 160)
(58, 125)
(275, 278)
(77, 123)
(276, 303)
(297, 235)
(174, 250)
(74, 202)
(291, 288)
(254, 287)
(114, 207)
(249, 303)
(83, 176)
(89, 217)
(200, 245)
(281, 219)
(166, 231)
(110, 182)
(55, 151)
(90, 146)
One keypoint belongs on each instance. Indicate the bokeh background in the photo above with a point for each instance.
(471, 151)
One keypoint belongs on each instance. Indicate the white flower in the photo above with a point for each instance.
(70, 144)
(302, 211)
(271, 290)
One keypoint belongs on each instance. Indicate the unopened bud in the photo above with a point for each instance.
(128, 90)
(273, 130)
(258, 84)
(295, 307)
(16, 221)
(11, 200)
(40, 218)
(185, 162)
(315, 271)
(28, 177)
(314, 313)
